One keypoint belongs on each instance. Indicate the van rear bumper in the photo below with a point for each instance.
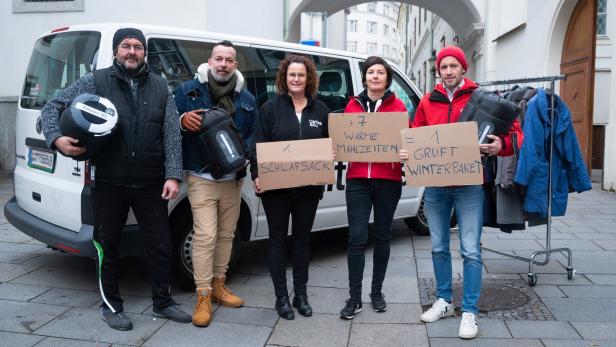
(77, 243)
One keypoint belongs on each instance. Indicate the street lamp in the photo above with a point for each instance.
(433, 75)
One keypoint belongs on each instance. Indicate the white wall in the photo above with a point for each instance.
(263, 19)
(524, 52)
(609, 158)
(30, 25)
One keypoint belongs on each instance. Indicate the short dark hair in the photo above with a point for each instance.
(312, 80)
(225, 43)
(374, 60)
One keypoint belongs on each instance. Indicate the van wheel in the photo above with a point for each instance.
(419, 224)
(182, 250)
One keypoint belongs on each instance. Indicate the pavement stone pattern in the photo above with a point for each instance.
(531, 311)
(52, 299)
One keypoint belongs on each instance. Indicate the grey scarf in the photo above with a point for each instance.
(222, 93)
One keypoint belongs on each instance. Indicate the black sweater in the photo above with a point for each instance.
(278, 122)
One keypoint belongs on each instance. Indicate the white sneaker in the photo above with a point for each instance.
(440, 308)
(468, 326)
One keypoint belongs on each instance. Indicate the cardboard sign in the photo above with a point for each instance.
(287, 164)
(367, 137)
(442, 155)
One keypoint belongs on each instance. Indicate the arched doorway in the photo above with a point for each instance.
(578, 63)
(461, 15)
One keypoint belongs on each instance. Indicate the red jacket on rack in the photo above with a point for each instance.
(435, 108)
(387, 171)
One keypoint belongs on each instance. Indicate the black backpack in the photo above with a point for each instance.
(220, 144)
(493, 113)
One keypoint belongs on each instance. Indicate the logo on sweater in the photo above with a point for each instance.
(314, 123)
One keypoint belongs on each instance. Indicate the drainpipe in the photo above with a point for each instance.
(324, 29)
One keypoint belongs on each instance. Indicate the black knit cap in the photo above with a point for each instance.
(123, 33)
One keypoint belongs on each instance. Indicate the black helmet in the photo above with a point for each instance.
(92, 120)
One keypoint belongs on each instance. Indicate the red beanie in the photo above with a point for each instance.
(451, 51)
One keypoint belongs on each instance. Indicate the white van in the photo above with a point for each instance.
(52, 200)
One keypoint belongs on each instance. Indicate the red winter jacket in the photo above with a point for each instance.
(435, 108)
(386, 171)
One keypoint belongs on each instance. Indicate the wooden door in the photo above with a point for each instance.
(578, 63)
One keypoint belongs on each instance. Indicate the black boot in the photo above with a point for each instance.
(283, 306)
(300, 302)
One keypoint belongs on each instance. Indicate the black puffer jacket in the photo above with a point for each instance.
(277, 121)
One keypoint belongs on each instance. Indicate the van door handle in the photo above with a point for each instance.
(36, 196)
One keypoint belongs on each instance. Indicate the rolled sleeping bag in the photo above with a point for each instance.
(220, 144)
(92, 120)
(493, 113)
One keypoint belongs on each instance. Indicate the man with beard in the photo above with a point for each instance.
(442, 106)
(215, 202)
(142, 160)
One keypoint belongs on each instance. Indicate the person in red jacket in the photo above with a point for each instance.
(368, 186)
(444, 105)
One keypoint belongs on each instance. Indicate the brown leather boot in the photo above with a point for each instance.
(222, 294)
(203, 309)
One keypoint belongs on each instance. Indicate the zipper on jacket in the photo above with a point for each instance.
(449, 112)
(300, 124)
(133, 125)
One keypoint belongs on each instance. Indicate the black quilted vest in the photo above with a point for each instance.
(135, 155)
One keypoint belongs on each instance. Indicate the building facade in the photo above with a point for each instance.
(372, 28)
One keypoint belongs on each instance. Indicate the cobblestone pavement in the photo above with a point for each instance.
(51, 299)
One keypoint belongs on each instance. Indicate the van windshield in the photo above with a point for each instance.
(57, 61)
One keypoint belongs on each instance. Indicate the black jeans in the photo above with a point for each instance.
(361, 196)
(278, 208)
(111, 207)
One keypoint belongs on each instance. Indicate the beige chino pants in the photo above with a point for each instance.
(215, 209)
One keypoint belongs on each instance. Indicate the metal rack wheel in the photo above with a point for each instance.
(532, 279)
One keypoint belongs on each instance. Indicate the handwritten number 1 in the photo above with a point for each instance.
(436, 136)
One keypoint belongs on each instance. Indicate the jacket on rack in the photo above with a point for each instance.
(568, 169)
(387, 171)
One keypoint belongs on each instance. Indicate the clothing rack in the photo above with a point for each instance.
(532, 276)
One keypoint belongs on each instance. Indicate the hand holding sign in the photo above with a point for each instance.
(442, 155)
(287, 164)
(367, 137)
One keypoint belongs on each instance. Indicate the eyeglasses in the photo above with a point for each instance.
(126, 48)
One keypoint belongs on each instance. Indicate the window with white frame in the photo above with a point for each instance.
(371, 47)
(371, 28)
(352, 46)
(386, 50)
(386, 9)
(372, 7)
(602, 17)
(352, 25)
(385, 30)
(20, 6)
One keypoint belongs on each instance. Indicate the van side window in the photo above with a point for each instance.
(335, 82)
(405, 94)
(178, 60)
